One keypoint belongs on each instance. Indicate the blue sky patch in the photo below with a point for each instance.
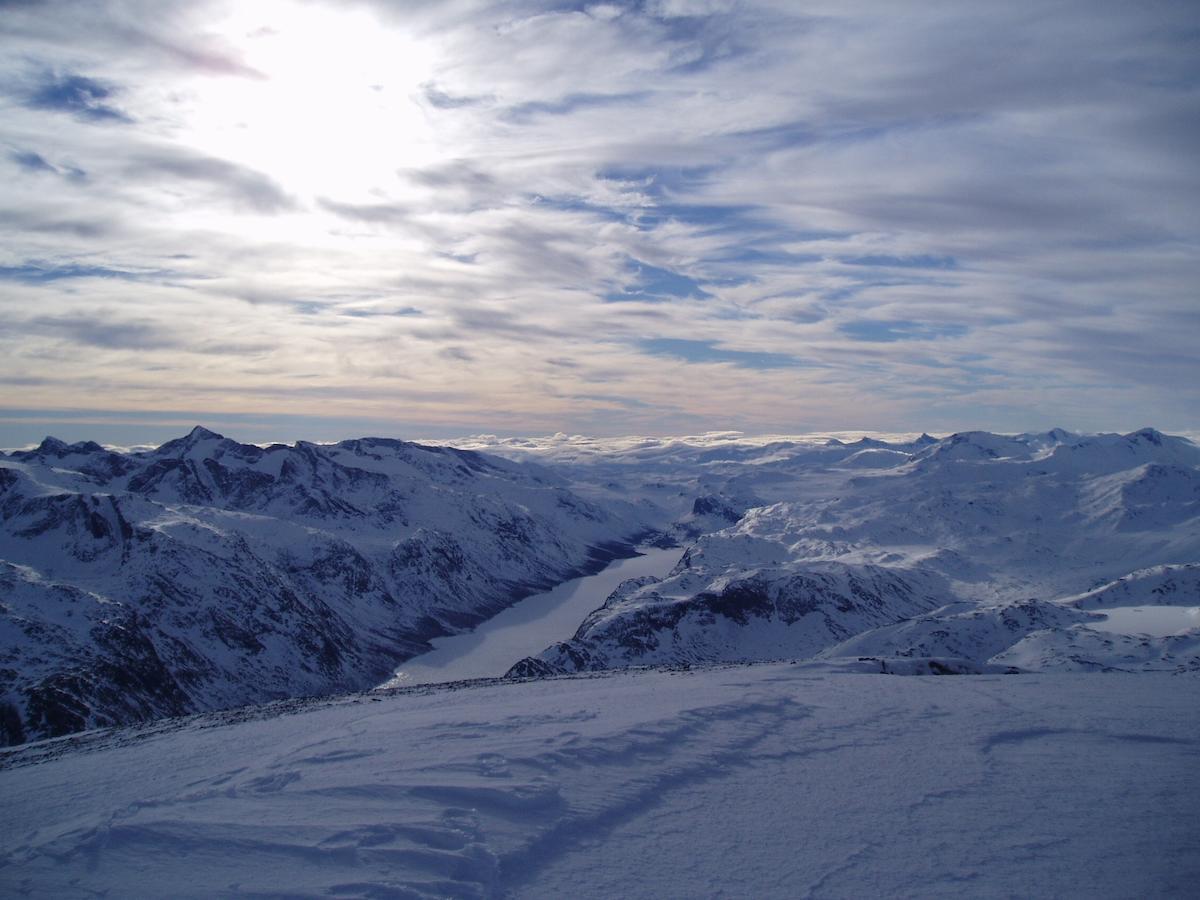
(878, 331)
(30, 161)
(653, 283)
(709, 352)
(904, 262)
(41, 274)
(525, 112)
(76, 94)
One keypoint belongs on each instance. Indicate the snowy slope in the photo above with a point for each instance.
(206, 573)
(704, 483)
(1155, 586)
(962, 550)
(763, 781)
(1068, 634)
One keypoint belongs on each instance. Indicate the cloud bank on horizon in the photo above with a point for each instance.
(648, 217)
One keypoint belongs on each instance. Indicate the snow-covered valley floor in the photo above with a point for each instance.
(490, 649)
(772, 780)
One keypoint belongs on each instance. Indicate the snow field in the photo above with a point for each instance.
(758, 781)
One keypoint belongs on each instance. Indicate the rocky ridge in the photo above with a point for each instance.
(206, 573)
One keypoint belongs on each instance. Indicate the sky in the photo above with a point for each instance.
(287, 219)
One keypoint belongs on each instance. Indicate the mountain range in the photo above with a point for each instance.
(977, 551)
(208, 573)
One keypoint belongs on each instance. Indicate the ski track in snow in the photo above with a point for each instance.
(764, 781)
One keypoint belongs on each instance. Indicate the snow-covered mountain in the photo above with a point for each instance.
(970, 548)
(207, 573)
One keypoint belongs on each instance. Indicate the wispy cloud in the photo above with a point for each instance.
(663, 216)
(244, 187)
(100, 331)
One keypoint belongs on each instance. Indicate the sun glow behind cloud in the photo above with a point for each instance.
(336, 110)
(664, 217)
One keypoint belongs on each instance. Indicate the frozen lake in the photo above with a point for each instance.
(529, 626)
(1157, 621)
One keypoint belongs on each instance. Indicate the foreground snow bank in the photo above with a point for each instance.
(767, 781)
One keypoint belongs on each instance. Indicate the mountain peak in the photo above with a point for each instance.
(56, 448)
(189, 441)
(200, 433)
(1149, 435)
(51, 445)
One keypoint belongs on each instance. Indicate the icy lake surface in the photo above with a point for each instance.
(1157, 621)
(528, 627)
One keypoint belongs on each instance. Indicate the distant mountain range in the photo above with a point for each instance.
(977, 552)
(208, 573)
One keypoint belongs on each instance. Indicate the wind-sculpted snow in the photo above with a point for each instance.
(971, 547)
(207, 573)
(768, 781)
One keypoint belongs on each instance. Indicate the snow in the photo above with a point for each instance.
(206, 574)
(1157, 621)
(760, 781)
(960, 548)
(1043, 569)
(526, 627)
(220, 573)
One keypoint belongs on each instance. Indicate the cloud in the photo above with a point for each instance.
(683, 215)
(164, 36)
(371, 213)
(58, 223)
(102, 331)
(238, 184)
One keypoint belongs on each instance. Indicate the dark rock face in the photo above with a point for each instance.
(206, 573)
(124, 680)
(531, 667)
(715, 506)
(12, 730)
(825, 605)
